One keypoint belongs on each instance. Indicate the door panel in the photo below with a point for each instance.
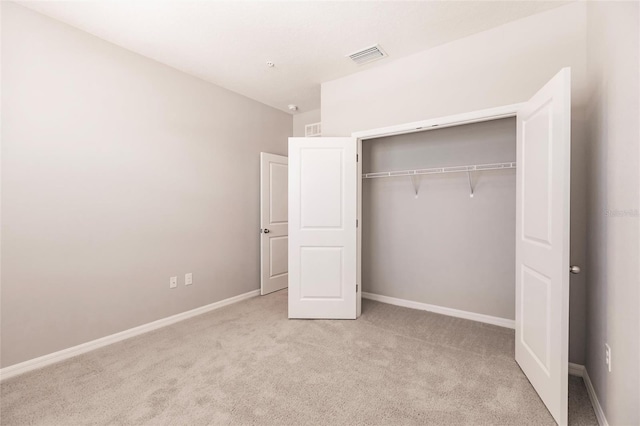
(278, 187)
(321, 272)
(274, 223)
(279, 255)
(321, 188)
(542, 241)
(322, 228)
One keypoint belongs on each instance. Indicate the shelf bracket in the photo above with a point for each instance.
(415, 181)
(470, 185)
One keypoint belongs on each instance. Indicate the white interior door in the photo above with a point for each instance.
(274, 224)
(322, 228)
(542, 241)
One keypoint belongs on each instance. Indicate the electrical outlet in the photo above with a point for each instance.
(188, 279)
(173, 282)
(607, 356)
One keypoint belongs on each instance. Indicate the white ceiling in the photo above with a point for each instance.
(229, 42)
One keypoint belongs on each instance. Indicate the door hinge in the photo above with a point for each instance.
(356, 288)
(356, 223)
(357, 158)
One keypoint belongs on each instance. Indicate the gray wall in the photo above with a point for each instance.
(500, 66)
(614, 185)
(442, 248)
(117, 173)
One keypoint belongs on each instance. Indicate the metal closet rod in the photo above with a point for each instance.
(438, 170)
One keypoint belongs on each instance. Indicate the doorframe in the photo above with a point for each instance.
(264, 207)
(477, 116)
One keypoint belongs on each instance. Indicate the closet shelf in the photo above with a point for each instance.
(438, 170)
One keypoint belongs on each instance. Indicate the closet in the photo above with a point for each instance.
(438, 219)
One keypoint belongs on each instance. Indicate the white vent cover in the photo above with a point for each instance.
(367, 55)
(313, 129)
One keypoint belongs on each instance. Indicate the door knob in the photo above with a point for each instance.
(574, 269)
(266, 231)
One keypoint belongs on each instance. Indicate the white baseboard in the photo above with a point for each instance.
(576, 370)
(581, 371)
(597, 408)
(43, 361)
(488, 319)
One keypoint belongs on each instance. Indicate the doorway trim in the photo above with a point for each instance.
(441, 122)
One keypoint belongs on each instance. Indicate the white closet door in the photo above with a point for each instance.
(322, 228)
(273, 222)
(542, 241)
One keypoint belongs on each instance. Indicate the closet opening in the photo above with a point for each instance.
(438, 220)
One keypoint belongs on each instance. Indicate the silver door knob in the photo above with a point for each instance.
(574, 269)
(266, 231)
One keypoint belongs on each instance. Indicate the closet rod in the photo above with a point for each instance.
(438, 170)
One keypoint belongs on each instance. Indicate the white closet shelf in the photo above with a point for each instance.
(438, 170)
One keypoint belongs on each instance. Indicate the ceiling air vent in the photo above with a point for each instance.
(367, 55)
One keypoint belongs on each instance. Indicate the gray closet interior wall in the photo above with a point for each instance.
(443, 247)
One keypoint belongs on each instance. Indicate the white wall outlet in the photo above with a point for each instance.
(173, 282)
(188, 279)
(607, 356)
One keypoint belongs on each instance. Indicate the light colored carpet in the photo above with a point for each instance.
(248, 364)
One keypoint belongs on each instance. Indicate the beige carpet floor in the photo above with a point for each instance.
(248, 364)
